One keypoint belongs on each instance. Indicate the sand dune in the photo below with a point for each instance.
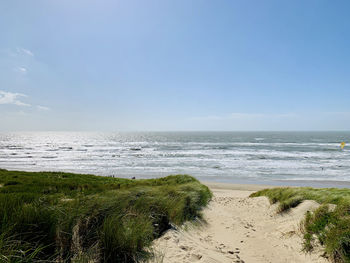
(239, 229)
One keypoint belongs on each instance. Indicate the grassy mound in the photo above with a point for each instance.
(62, 217)
(331, 227)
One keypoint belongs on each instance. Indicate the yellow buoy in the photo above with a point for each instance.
(342, 145)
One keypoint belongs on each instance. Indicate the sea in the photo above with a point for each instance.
(272, 158)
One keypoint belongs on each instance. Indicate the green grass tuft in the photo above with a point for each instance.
(329, 226)
(62, 217)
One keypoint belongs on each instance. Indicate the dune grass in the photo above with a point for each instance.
(62, 217)
(329, 225)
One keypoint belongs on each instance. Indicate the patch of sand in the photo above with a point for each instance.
(67, 199)
(239, 229)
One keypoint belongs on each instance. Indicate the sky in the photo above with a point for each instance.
(98, 65)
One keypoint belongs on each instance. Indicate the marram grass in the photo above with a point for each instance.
(63, 217)
(329, 224)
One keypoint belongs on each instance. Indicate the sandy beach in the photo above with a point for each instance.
(239, 229)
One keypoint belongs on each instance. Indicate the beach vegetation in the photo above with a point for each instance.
(328, 225)
(65, 217)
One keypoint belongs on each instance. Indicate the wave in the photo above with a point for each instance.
(227, 155)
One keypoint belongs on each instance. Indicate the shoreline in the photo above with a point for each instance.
(255, 184)
(240, 187)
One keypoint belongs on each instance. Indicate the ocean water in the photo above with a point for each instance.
(244, 157)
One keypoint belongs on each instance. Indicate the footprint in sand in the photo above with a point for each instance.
(235, 256)
(196, 257)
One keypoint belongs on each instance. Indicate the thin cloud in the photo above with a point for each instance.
(25, 51)
(43, 108)
(12, 98)
(21, 70)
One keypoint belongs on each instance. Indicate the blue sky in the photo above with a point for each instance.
(174, 65)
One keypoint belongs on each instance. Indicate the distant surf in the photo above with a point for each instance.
(220, 156)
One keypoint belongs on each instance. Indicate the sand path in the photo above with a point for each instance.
(239, 229)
